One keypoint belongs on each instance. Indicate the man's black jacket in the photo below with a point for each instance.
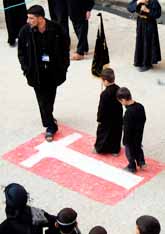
(58, 50)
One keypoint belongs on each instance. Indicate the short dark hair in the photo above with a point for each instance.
(36, 10)
(16, 196)
(108, 74)
(66, 219)
(148, 225)
(123, 93)
(98, 230)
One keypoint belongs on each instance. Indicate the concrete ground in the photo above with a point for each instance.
(76, 106)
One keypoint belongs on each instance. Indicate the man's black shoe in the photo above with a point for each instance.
(132, 170)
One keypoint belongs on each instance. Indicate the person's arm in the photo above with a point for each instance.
(101, 108)
(65, 47)
(127, 128)
(22, 56)
(134, 4)
(155, 10)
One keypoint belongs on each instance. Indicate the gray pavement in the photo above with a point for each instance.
(76, 106)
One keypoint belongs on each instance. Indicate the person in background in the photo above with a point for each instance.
(147, 224)
(98, 230)
(20, 217)
(79, 13)
(147, 49)
(109, 117)
(43, 53)
(15, 16)
(66, 223)
(133, 123)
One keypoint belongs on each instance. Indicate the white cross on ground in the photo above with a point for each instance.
(60, 150)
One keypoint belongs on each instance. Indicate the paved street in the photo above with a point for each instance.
(76, 107)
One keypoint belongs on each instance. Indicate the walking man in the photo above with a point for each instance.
(43, 53)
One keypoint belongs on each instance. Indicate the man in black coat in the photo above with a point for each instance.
(79, 12)
(21, 218)
(109, 117)
(43, 53)
(147, 50)
(134, 121)
(15, 16)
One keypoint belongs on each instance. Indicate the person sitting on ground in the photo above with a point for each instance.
(21, 218)
(147, 224)
(98, 230)
(109, 117)
(66, 223)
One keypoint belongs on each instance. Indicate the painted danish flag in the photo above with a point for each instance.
(68, 161)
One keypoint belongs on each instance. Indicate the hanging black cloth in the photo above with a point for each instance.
(101, 54)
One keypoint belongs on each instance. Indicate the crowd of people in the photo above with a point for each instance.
(22, 218)
(44, 56)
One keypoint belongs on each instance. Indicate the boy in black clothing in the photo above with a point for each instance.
(134, 120)
(98, 230)
(109, 117)
(147, 224)
(66, 223)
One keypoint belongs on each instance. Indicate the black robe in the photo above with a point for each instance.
(147, 50)
(110, 119)
(29, 221)
(15, 18)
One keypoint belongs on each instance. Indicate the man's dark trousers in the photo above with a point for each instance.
(61, 13)
(46, 98)
(81, 30)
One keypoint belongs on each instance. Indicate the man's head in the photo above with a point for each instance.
(98, 230)
(108, 76)
(147, 224)
(66, 220)
(36, 16)
(16, 196)
(124, 96)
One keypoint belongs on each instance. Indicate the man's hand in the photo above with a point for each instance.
(88, 15)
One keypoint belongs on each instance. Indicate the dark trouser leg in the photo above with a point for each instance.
(46, 100)
(60, 13)
(51, 5)
(140, 156)
(81, 30)
(130, 157)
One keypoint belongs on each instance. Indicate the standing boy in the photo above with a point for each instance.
(134, 120)
(109, 116)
